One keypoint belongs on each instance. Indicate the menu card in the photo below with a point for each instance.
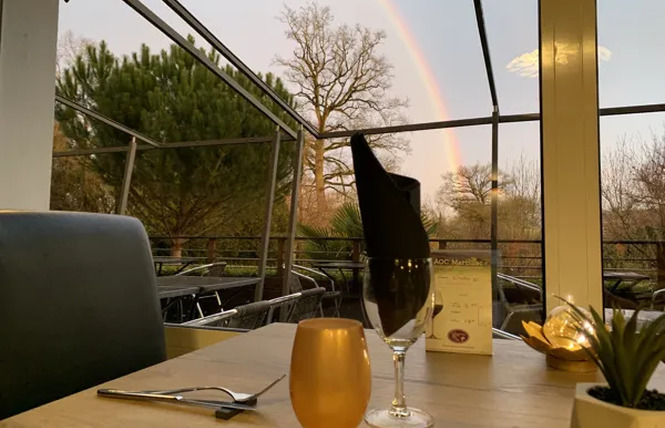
(462, 294)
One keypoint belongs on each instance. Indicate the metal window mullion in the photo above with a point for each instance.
(112, 123)
(293, 215)
(494, 201)
(267, 220)
(209, 37)
(127, 178)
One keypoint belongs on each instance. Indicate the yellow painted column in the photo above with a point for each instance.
(570, 152)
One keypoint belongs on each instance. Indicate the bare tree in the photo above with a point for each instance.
(519, 208)
(69, 47)
(619, 201)
(342, 80)
(467, 191)
(469, 184)
(633, 190)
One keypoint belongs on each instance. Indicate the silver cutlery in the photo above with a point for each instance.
(178, 399)
(238, 397)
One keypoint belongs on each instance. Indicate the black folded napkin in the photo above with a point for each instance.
(390, 211)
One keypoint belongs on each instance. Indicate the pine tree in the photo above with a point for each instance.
(172, 98)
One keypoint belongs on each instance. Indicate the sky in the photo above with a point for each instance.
(435, 50)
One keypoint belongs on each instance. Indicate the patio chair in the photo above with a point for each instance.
(307, 306)
(248, 317)
(611, 300)
(658, 299)
(79, 305)
(330, 293)
(208, 269)
(524, 305)
(282, 303)
(500, 334)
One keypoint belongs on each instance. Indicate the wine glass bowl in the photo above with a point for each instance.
(398, 303)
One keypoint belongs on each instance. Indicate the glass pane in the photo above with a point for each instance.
(514, 53)
(630, 36)
(519, 226)
(633, 201)
(74, 184)
(432, 46)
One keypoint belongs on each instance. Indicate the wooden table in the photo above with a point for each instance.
(511, 389)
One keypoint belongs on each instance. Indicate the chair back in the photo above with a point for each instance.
(249, 316)
(214, 320)
(525, 304)
(520, 292)
(245, 317)
(79, 305)
(283, 303)
(500, 334)
(307, 305)
(208, 269)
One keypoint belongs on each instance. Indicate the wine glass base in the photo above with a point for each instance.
(383, 419)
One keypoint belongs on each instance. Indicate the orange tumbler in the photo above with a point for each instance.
(330, 381)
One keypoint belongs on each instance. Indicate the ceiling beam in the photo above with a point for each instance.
(177, 38)
(100, 117)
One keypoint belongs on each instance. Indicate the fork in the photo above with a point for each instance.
(238, 397)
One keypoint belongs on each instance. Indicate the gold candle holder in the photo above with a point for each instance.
(330, 381)
(565, 358)
(561, 342)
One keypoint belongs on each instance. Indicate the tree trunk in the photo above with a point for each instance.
(319, 181)
(176, 247)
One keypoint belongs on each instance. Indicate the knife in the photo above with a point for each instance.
(178, 399)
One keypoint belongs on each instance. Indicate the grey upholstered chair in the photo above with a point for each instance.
(78, 305)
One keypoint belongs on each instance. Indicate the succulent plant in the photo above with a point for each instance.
(627, 357)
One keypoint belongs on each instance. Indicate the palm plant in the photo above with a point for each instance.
(346, 223)
(627, 357)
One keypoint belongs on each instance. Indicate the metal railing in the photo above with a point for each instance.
(521, 258)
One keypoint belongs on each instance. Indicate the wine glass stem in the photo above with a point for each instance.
(398, 408)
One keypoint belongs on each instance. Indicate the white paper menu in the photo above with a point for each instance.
(463, 285)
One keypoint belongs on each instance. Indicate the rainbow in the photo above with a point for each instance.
(431, 86)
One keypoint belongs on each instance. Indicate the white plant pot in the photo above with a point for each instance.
(589, 412)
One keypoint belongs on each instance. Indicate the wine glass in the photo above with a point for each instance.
(398, 303)
(437, 302)
(330, 381)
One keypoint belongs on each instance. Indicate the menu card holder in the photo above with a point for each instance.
(462, 283)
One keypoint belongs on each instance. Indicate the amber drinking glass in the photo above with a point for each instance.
(330, 381)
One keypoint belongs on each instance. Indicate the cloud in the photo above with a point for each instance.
(526, 65)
